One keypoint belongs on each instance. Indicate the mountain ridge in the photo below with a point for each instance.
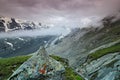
(11, 24)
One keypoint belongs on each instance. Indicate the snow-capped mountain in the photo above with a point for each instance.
(17, 45)
(12, 24)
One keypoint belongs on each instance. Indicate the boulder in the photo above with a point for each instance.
(39, 67)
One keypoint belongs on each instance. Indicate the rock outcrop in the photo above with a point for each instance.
(39, 67)
(104, 68)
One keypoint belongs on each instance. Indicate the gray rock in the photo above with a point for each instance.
(39, 67)
(104, 68)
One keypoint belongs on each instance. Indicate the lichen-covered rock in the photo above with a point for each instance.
(39, 67)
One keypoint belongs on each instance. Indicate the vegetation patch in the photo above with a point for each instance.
(105, 51)
(63, 61)
(8, 65)
(69, 72)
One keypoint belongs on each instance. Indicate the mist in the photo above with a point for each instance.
(36, 32)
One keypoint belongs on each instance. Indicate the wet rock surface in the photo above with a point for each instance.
(39, 67)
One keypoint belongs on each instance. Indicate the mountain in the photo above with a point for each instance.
(93, 52)
(16, 46)
(11, 24)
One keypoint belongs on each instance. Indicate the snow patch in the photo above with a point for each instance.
(9, 44)
(21, 39)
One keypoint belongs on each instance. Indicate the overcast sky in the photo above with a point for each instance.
(60, 12)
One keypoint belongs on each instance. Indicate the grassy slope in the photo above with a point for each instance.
(7, 65)
(69, 73)
(105, 51)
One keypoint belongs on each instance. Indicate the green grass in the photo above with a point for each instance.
(62, 60)
(71, 75)
(69, 72)
(7, 65)
(105, 51)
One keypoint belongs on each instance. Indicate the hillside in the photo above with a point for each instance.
(77, 47)
(17, 46)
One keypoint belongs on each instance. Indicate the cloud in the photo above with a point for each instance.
(45, 10)
(36, 32)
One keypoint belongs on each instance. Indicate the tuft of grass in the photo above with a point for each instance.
(69, 72)
(8, 65)
(105, 51)
(63, 61)
(71, 75)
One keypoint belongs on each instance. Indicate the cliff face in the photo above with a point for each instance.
(93, 52)
(39, 67)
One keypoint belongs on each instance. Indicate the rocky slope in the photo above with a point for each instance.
(39, 67)
(102, 65)
(78, 46)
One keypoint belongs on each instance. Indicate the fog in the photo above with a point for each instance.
(59, 13)
(36, 32)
